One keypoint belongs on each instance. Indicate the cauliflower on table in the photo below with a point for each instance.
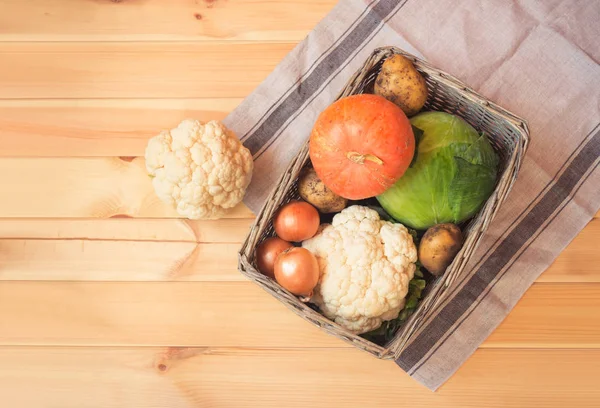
(366, 264)
(200, 169)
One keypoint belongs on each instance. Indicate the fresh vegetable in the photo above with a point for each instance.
(452, 176)
(200, 169)
(297, 270)
(439, 245)
(313, 190)
(267, 252)
(296, 221)
(401, 83)
(360, 145)
(366, 265)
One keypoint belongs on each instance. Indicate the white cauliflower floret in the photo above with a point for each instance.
(200, 169)
(366, 265)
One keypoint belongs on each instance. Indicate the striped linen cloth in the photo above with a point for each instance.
(537, 59)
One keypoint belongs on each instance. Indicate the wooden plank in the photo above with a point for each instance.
(123, 249)
(191, 377)
(82, 187)
(166, 250)
(175, 20)
(553, 315)
(580, 261)
(241, 314)
(96, 127)
(226, 230)
(173, 313)
(135, 70)
(128, 261)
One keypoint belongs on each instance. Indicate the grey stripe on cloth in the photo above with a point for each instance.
(289, 79)
(481, 283)
(512, 53)
(310, 70)
(449, 296)
(259, 140)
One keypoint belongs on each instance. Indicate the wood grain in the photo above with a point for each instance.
(228, 230)
(125, 249)
(98, 187)
(195, 377)
(156, 20)
(174, 313)
(129, 249)
(135, 70)
(84, 260)
(82, 187)
(96, 127)
(148, 310)
(558, 315)
(580, 261)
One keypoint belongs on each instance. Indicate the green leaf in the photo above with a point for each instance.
(441, 186)
(412, 302)
(464, 198)
(419, 198)
(417, 283)
(418, 134)
(481, 152)
(415, 236)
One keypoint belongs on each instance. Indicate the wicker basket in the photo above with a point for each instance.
(509, 136)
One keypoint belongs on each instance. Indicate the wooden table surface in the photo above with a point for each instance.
(108, 300)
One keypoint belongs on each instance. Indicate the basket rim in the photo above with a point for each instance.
(450, 79)
(508, 176)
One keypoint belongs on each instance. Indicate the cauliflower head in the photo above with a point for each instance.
(366, 264)
(200, 169)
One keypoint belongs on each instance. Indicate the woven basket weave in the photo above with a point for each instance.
(508, 135)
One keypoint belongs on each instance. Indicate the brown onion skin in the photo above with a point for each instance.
(297, 270)
(296, 221)
(267, 253)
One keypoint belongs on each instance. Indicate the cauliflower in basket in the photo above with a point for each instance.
(366, 264)
(200, 169)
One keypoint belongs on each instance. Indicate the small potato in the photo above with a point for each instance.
(401, 83)
(314, 191)
(439, 246)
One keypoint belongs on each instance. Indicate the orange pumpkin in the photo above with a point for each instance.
(361, 145)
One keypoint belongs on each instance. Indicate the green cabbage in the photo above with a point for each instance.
(452, 175)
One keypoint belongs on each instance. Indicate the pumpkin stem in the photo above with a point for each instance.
(360, 158)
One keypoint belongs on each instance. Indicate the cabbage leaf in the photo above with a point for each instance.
(453, 174)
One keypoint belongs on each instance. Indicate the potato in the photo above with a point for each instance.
(314, 191)
(402, 84)
(439, 246)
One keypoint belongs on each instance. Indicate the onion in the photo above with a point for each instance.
(267, 253)
(297, 270)
(296, 221)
